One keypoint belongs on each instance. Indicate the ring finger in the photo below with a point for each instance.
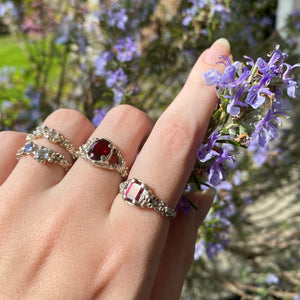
(75, 127)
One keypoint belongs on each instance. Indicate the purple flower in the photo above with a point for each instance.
(214, 156)
(34, 96)
(291, 88)
(191, 12)
(64, 32)
(266, 21)
(213, 249)
(116, 78)
(184, 205)
(232, 109)
(121, 18)
(248, 199)
(272, 279)
(216, 171)
(199, 249)
(211, 77)
(206, 151)
(260, 156)
(254, 97)
(226, 211)
(126, 49)
(234, 77)
(115, 17)
(237, 178)
(198, 5)
(229, 74)
(101, 62)
(225, 185)
(265, 131)
(99, 115)
(220, 243)
(81, 42)
(118, 95)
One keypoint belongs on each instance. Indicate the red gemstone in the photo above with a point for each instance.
(98, 149)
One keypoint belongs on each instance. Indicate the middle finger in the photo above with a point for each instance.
(127, 127)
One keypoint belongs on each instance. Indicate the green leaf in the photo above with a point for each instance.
(235, 143)
(191, 203)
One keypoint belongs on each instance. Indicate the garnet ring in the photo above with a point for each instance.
(137, 193)
(102, 153)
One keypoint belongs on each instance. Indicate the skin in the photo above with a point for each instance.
(71, 236)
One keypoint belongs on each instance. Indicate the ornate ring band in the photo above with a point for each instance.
(43, 154)
(137, 193)
(102, 153)
(53, 136)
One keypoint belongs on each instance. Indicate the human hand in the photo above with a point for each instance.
(71, 236)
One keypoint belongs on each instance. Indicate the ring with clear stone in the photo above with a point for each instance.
(137, 193)
(53, 136)
(102, 153)
(43, 155)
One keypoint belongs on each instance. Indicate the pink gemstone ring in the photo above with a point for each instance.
(137, 193)
(102, 153)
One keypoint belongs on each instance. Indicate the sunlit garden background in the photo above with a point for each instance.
(93, 55)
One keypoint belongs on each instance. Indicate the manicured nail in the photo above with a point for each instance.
(218, 48)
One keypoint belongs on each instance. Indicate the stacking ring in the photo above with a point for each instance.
(53, 136)
(137, 193)
(102, 153)
(43, 154)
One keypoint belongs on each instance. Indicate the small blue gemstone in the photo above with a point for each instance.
(28, 148)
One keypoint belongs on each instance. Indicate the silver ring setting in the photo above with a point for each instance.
(102, 153)
(42, 154)
(137, 193)
(53, 136)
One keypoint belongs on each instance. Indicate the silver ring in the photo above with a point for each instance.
(43, 154)
(102, 153)
(137, 193)
(53, 136)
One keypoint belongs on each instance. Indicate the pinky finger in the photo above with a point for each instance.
(178, 252)
(10, 142)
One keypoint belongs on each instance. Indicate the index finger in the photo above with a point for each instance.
(168, 156)
(165, 164)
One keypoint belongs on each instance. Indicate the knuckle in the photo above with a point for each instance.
(11, 137)
(126, 116)
(64, 116)
(176, 134)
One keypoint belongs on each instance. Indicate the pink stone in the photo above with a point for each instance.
(98, 149)
(134, 192)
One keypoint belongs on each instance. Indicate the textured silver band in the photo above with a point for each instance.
(102, 153)
(43, 154)
(137, 193)
(53, 136)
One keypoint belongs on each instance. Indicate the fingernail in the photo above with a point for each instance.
(218, 48)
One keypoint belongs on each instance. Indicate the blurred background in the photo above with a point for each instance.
(93, 55)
